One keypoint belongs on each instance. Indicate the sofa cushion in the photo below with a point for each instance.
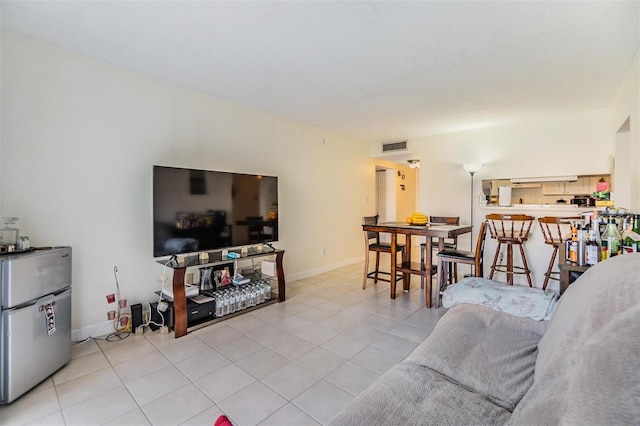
(486, 351)
(588, 366)
(410, 394)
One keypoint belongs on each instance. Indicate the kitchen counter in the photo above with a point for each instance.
(570, 208)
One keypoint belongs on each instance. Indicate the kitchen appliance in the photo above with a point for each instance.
(35, 318)
(504, 196)
(585, 201)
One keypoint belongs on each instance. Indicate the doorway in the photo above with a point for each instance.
(396, 194)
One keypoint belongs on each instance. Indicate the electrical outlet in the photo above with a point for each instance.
(164, 330)
(323, 252)
(162, 306)
(139, 331)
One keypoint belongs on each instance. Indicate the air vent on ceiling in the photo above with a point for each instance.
(394, 146)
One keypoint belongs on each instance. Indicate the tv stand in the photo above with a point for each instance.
(181, 326)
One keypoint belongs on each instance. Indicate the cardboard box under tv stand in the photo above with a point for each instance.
(181, 325)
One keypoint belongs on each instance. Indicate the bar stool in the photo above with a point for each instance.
(511, 230)
(448, 244)
(372, 244)
(448, 257)
(554, 230)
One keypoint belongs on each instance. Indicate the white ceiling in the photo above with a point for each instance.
(380, 71)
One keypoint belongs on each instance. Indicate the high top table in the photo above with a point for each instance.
(407, 267)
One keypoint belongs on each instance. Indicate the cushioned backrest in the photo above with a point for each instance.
(594, 299)
(588, 366)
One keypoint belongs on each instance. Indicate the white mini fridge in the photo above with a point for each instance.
(35, 318)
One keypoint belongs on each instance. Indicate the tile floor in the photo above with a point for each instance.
(293, 363)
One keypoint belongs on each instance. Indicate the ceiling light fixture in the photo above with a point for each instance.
(414, 164)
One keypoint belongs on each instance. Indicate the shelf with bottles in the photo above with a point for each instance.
(598, 240)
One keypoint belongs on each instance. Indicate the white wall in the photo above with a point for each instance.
(580, 144)
(626, 106)
(79, 138)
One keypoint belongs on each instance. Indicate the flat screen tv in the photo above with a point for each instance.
(200, 210)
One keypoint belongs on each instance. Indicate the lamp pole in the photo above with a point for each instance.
(472, 169)
(472, 173)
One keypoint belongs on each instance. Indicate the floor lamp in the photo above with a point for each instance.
(472, 169)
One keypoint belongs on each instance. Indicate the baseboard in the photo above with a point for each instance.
(93, 330)
(101, 329)
(321, 270)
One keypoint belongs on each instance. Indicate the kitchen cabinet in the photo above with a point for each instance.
(582, 186)
(497, 183)
(526, 185)
(554, 188)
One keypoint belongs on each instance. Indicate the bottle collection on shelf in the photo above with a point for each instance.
(587, 243)
(237, 298)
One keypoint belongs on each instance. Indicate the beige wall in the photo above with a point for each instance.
(79, 139)
(626, 106)
(580, 143)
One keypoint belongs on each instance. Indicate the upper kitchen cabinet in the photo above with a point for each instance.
(526, 185)
(585, 185)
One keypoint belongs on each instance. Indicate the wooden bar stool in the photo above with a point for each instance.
(448, 257)
(554, 230)
(511, 230)
(372, 244)
(448, 244)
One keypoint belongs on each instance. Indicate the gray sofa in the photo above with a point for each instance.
(483, 367)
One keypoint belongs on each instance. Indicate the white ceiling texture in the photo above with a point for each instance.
(381, 71)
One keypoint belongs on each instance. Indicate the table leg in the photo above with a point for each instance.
(427, 268)
(406, 262)
(564, 280)
(394, 242)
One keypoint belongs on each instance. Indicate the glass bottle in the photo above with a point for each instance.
(592, 252)
(596, 227)
(631, 241)
(611, 239)
(9, 235)
(581, 258)
(573, 244)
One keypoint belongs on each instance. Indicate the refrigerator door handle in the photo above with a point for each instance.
(46, 305)
(22, 305)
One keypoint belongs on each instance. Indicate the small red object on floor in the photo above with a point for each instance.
(223, 421)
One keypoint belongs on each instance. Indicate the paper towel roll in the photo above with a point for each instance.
(504, 196)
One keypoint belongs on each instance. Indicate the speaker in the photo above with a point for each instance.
(136, 316)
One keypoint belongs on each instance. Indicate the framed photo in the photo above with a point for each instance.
(222, 275)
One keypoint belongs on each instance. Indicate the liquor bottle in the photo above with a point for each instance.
(573, 244)
(611, 239)
(593, 251)
(581, 247)
(631, 241)
(595, 225)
